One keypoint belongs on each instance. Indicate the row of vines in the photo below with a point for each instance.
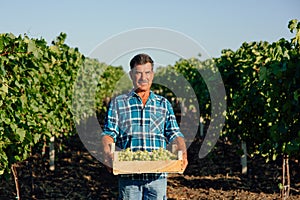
(262, 83)
(36, 86)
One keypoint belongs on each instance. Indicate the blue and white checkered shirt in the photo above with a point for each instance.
(133, 125)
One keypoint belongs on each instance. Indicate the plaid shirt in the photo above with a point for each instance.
(133, 125)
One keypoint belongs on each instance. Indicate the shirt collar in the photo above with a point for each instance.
(132, 93)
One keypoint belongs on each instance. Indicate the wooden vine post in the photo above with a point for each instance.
(52, 154)
(244, 158)
(14, 171)
(285, 190)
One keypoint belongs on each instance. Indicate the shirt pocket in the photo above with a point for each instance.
(157, 123)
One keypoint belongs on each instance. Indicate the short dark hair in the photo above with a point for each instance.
(140, 59)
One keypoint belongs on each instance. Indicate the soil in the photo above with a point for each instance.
(78, 175)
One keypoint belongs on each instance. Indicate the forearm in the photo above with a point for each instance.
(106, 143)
(180, 143)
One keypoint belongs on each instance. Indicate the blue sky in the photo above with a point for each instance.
(215, 24)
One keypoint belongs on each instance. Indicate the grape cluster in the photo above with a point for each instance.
(159, 154)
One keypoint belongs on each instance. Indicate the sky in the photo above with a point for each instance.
(213, 24)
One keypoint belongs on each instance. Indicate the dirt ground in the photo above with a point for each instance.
(78, 175)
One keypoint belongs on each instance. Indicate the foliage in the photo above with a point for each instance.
(189, 70)
(262, 81)
(36, 93)
(95, 84)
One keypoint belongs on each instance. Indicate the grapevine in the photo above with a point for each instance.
(36, 92)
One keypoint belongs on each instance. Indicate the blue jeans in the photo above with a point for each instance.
(142, 189)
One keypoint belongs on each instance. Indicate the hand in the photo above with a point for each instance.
(179, 141)
(107, 161)
(185, 160)
(107, 153)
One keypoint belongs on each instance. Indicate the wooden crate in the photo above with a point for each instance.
(138, 167)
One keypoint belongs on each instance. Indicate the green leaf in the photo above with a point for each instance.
(298, 36)
(21, 133)
(4, 88)
(33, 48)
(36, 138)
(11, 36)
(7, 120)
(262, 73)
(17, 158)
(292, 25)
(31, 123)
(1, 44)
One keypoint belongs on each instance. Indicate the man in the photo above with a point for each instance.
(141, 120)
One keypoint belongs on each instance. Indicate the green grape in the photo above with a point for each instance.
(155, 155)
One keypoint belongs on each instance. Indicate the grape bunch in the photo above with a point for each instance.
(159, 154)
(163, 154)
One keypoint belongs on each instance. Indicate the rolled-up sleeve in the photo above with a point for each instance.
(111, 122)
(172, 129)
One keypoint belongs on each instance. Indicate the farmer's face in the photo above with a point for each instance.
(142, 77)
